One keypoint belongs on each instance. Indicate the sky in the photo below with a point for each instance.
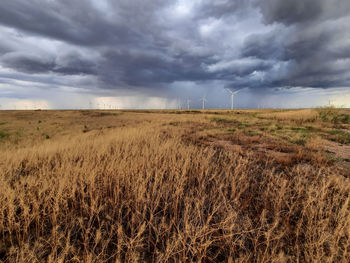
(157, 54)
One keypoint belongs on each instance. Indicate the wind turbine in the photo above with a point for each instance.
(178, 102)
(204, 100)
(188, 103)
(233, 93)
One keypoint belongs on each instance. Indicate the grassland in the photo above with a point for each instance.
(175, 186)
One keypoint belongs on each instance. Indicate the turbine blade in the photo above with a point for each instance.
(229, 90)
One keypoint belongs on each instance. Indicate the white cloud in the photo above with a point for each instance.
(208, 28)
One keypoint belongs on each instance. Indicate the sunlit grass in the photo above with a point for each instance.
(172, 187)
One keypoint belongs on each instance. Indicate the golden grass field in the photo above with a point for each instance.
(175, 186)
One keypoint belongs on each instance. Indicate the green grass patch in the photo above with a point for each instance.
(19, 133)
(3, 123)
(330, 156)
(312, 129)
(228, 121)
(299, 141)
(341, 118)
(332, 115)
(220, 120)
(241, 126)
(190, 111)
(279, 127)
(251, 133)
(101, 114)
(276, 127)
(299, 129)
(340, 136)
(303, 131)
(4, 134)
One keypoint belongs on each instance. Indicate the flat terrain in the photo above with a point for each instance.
(175, 186)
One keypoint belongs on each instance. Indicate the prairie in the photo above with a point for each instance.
(175, 186)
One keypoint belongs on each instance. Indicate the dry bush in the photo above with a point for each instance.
(126, 195)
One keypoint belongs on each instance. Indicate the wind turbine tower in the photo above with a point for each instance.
(188, 103)
(179, 104)
(233, 93)
(204, 100)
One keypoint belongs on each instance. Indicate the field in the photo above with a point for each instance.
(175, 186)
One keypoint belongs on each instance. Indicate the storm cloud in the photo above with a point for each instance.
(152, 46)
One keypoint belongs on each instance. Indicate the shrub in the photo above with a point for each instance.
(4, 134)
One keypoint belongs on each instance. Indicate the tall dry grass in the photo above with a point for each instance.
(132, 194)
(301, 115)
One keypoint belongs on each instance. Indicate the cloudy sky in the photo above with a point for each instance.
(159, 53)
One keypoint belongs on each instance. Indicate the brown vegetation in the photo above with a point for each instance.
(173, 186)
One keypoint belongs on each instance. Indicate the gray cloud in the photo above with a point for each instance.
(73, 63)
(27, 63)
(298, 11)
(222, 8)
(149, 45)
(266, 46)
(314, 39)
(4, 49)
(71, 21)
(290, 11)
(67, 64)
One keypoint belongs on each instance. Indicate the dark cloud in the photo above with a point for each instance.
(67, 64)
(313, 39)
(147, 45)
(290, 11)
(149, 69)
(265, 46)
(79, 22)
(3, 50)
(27, 63)
(299, 11)
(219, 9)
(73, 63)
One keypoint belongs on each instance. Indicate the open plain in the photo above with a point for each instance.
(175, 186)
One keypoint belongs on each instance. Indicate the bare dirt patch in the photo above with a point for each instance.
(338, 150)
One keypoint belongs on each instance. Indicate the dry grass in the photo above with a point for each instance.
(307, 114)
(163, 187)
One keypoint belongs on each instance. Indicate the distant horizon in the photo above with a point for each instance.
(149, 54)
(173, 109)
